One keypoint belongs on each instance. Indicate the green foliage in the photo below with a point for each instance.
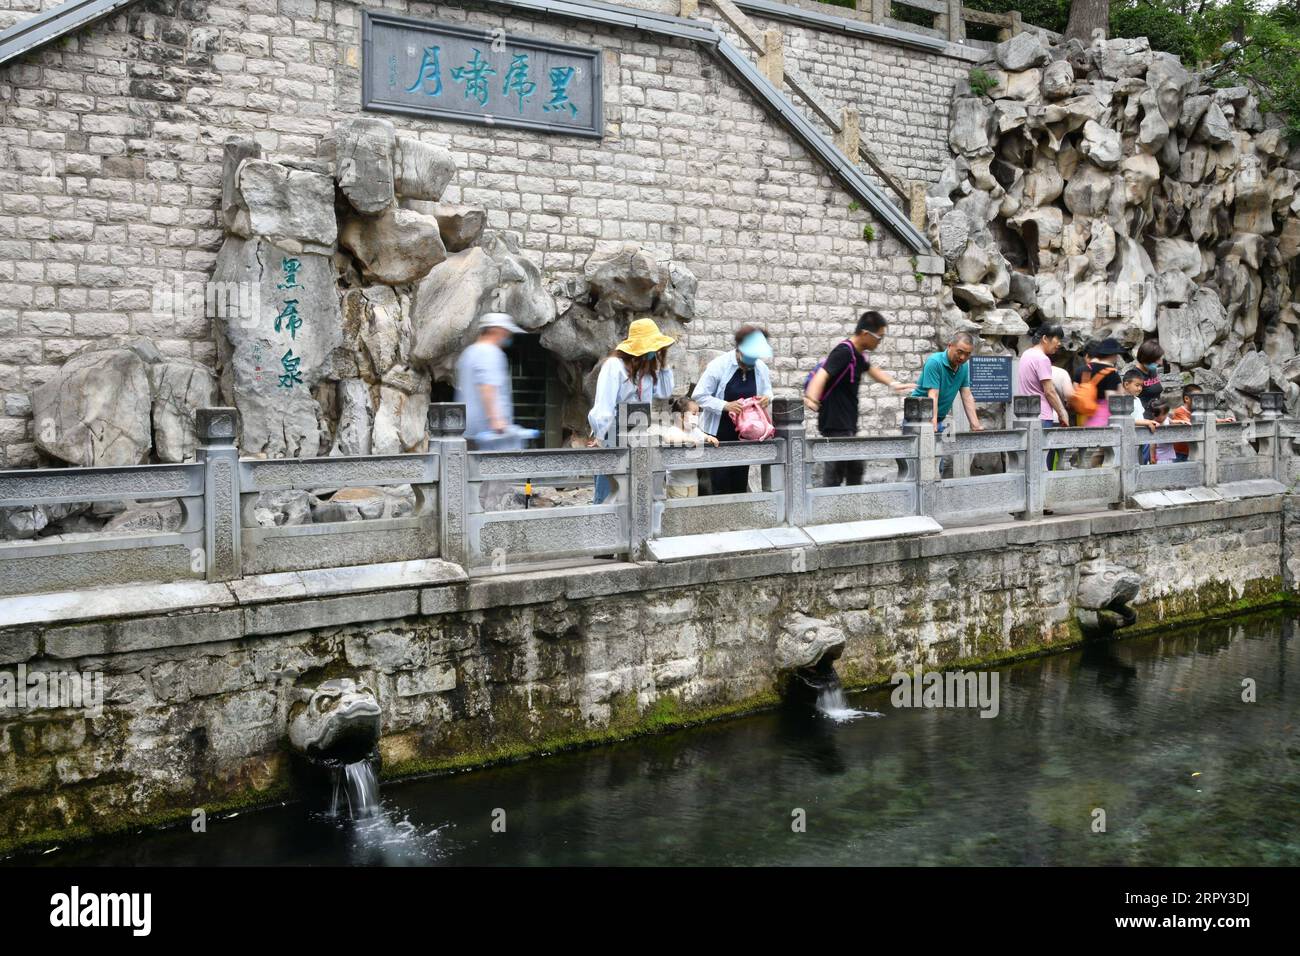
(905, 14)
(1049, 14)
(1268, 32)
(981, 82)
(854, 205)
(1167, 29)
(868, 232)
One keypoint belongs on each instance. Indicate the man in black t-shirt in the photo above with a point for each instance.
(833, 391)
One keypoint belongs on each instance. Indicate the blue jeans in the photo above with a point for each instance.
(603, 488)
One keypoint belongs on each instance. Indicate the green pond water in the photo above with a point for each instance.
(1153, 731)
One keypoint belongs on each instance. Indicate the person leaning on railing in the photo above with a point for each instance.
(832, 391)
(1035, 378)
(725, 382)
(683, 432)
(636, 371)
(1182, 415)
(945, 376)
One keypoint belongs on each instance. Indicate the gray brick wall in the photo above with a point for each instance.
(16, 11)
(902, 95)
(110, 148)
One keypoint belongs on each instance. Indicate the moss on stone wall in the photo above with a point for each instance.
(524, 675)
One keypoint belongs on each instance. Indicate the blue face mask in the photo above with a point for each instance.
(506, 343)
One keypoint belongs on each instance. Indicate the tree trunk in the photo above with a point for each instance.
(1087, 16)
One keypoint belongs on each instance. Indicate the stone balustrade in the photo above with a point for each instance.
(453, 518)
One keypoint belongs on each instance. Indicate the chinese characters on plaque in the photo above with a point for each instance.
(479, 76)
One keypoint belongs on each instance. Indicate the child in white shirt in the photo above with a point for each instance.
(1132, 385)
(1162, 452)
(684, 431)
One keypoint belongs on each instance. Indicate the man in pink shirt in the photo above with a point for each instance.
(1035, 378)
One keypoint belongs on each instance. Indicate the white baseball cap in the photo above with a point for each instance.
(499, 320)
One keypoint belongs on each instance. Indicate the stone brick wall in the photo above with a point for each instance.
(902, 96)
(196, 701)
(110, 145)
(16, 11)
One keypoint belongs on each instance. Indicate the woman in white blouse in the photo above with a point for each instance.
(730, 378)
(637, 371)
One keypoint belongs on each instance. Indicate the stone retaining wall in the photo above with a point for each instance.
(468, 672)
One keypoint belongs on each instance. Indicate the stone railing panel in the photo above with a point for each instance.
(222, 536)
(95, 559)
(719, 513)
(270, 548)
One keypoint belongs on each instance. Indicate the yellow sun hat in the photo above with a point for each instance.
(643, 336)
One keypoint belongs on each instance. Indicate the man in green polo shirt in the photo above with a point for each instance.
(947, 374)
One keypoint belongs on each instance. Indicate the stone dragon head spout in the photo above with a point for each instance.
(336, 723)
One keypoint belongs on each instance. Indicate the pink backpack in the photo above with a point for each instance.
(752, 421)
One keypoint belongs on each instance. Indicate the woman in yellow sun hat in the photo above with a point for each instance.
(636, 371)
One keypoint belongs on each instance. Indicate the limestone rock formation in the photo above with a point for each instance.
(521, 291)
(96, 409)
(356, 419)
(271, 361)
(362, 150)
(118, 400)
(290, 207)
(396, 247)
(423, 170)
(493, 277)
(180, 388)
(446, 303)
(460, 226)
(628, 281)
(1125, 196)
(345, 290)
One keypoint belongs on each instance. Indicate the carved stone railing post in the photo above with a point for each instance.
(1121, 415)
(1015, 24)
(1273, 409)
(849, 138)
(633, 434)
(916, 203)
(950, 21)
(1204, 413)
(1272, 405)
(1027, 416)
(788, 419)
(772, 61)
(879, 9)
(917, 420)
(446, 426)
(216, 430)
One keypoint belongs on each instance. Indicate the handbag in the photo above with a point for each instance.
(752, 421)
